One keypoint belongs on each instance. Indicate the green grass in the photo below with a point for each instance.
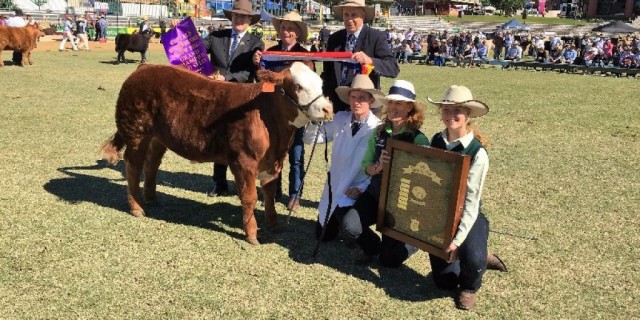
(502, 19)
(564, 169)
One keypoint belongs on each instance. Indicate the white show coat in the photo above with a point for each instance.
(346, 157)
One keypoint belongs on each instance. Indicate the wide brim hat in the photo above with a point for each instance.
(145, 18)
(369, 11)
(461, 95)
(244, 7)
(361, 82)
(402, 90)
(295, 18)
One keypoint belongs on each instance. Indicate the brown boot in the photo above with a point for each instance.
(466, 300)
(495, 263)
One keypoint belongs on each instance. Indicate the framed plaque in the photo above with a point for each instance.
(422, 195)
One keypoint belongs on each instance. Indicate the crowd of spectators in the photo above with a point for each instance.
(465, 47)
(598, 50)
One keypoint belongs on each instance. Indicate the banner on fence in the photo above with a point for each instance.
(184, 47)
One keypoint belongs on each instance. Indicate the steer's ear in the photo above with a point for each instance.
(270, 76)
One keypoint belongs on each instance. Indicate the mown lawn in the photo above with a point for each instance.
(564, 170)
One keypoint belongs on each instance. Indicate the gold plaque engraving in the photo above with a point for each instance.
(422, 195)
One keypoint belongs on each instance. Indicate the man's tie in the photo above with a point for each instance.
(347, 67)
(355, 126)
(234, 45)
(351, 42)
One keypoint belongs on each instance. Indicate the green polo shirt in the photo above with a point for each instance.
(369, 155)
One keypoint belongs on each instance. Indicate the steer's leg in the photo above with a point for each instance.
(245, 172)
(269, 194)
(151, 164)
(134, 157)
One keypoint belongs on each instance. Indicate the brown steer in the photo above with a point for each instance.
(162, 107)
(19, 39)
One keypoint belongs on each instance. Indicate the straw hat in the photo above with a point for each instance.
(145, 18)
(461, 95)
(361, 82)
(294, 17)
(244, 7)
(402, 90)
(369, 11)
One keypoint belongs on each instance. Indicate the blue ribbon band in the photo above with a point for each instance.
(403, 92)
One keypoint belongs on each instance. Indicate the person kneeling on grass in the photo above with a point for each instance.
(468, 254)
(404, 116)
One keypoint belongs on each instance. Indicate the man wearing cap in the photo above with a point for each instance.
(231, 52)
(67, 34)
(514, 53)
(16, 21)
(369, 46)
(102, 24)
(144, 25)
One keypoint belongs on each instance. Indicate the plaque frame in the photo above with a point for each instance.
(454, 207)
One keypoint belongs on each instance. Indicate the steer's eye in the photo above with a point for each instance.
(298, 87)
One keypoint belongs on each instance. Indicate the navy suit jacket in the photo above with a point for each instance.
(374, 44)
(241, 67)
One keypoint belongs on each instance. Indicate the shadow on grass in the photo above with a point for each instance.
(11, 63)
(115, 62)
(80, 187)
(401, 283)
(297, 236)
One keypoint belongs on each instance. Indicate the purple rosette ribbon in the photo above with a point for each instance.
(184, 47)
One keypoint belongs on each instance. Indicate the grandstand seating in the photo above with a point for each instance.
(435, 23)
(25, 5)
(419, 23)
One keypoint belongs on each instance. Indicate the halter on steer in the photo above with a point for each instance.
(302, 108)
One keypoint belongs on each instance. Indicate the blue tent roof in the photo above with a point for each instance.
(514, 24)
(265, 16)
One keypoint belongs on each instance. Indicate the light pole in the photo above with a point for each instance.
(39, 3)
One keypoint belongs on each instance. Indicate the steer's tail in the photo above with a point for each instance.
(112, 147)
(118, 36)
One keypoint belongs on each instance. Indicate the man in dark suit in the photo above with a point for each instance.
(369, 46)
(323, 37)
(231, 53)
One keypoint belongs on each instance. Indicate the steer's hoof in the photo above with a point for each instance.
(137, 213)
(253, 241)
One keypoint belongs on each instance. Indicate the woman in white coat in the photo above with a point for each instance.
(350, 132)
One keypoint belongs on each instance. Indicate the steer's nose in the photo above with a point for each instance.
(327, 109)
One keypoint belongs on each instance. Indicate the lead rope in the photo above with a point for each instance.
(326, 216)
(301, 187)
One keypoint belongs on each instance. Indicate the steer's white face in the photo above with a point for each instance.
(309, 87)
